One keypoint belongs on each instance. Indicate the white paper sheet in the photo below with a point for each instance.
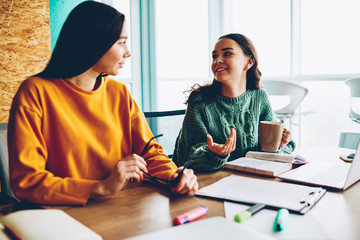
(298, 226)
(271, 193)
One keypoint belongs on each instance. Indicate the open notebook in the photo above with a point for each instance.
(338, 176)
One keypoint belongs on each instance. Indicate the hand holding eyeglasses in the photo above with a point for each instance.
(134, 167)
(130, 167)
(182, 181)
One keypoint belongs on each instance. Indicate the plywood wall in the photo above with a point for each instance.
(25, 46)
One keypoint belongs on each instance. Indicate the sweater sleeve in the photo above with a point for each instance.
(192, 136)
(158, 163)
(29, 179)
(267, 114)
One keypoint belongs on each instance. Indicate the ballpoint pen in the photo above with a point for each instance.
(281, 220)
(246, 214)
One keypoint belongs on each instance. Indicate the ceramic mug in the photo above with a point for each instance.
(270, 135)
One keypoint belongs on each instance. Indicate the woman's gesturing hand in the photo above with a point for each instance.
(223, 149)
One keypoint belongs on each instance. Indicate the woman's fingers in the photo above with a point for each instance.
(286, 137)
(231, 141)
(187, 184)
(223, 149)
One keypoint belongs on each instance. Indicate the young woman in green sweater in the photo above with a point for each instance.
(222, 119)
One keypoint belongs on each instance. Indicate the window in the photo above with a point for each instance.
(330, 37)
(268, 25)
(314, 43)
(182, 50)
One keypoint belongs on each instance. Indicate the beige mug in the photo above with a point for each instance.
(270, 135)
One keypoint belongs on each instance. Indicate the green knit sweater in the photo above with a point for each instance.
(216, 117)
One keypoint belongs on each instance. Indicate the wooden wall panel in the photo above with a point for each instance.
(25, 46)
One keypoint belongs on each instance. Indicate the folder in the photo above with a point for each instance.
(296, 198)
(43, 224)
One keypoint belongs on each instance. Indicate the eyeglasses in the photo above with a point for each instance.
(148, 143)
(163, 181)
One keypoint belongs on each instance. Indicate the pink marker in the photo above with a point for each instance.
(190, 216)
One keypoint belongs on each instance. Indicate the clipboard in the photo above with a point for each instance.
(296, 198)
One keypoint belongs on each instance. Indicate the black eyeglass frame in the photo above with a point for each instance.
(163, 181)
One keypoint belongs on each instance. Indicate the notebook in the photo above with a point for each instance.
(43, 224)
(210, 228)
(339, 175)
(264, 163)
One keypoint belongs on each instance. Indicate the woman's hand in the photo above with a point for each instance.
(188, 182)
(125, 169)
(223, 149)
(286, 138)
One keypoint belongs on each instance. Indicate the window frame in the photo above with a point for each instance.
(143, 42)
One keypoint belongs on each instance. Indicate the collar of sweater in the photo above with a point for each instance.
(240, 98)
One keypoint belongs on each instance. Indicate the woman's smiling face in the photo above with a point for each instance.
(229, 61)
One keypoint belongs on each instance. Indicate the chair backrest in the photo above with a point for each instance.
(169, 124)
(354, 85)
(295, 92)
(349, 140)
(6, 193)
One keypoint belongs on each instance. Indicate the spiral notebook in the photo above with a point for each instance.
(296, 198)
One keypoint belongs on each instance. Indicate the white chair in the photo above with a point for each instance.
(291, 95)
(354, 85)
(351, 139)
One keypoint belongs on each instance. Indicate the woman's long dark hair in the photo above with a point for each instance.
(87, 34)
(253, 75)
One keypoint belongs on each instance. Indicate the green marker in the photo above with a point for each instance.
(246, 214)
(281, 220)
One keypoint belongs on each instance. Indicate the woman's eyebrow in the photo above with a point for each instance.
(229, 48)
(224, 49)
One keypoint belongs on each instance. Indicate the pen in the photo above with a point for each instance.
(281, 220)
(190, 216)
(246, 214)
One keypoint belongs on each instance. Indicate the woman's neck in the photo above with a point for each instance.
(85, 80)
(233, 88)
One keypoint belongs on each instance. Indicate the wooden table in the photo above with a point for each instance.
(143, 208)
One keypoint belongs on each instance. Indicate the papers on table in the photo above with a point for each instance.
(296, 198)
(298, 226)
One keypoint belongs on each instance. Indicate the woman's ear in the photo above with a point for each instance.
(250, 63)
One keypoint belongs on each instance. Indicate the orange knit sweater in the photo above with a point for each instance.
(62, 139)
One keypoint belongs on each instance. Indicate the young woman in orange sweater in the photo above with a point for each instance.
(73, 132)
